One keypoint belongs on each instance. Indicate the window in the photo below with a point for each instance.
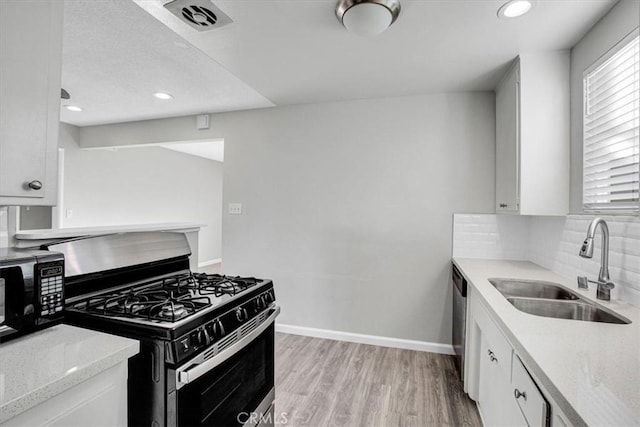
(611, 130)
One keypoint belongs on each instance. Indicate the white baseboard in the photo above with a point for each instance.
(210, 262)
(366, 339)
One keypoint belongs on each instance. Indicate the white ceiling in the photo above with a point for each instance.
(115, 56)
(294, 51)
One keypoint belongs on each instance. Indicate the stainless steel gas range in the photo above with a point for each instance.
(207, 341)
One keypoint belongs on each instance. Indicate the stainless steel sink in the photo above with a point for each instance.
(575, 310)
(532, 289)
(550, 299)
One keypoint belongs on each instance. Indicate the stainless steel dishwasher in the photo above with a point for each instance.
(459, 317)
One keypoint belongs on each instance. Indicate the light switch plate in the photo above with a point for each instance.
(235, 208)
(202, 121)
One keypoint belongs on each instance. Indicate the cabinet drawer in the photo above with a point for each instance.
(499, 350)
(533, 405)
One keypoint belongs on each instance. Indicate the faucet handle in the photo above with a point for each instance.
(583, 282)
(607, 285)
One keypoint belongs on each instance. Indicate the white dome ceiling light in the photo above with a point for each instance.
(367, 17)
(515, 8)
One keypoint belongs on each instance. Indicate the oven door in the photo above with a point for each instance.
(234, 387)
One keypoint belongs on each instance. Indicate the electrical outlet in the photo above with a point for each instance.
(68, 213)
(235, 208)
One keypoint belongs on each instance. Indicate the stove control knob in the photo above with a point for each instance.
(268, 297)
(210, 331)
(203, 337)
(218, 329)
(185, 345)
(241, 314)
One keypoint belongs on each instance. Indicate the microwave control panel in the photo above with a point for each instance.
(50, 282)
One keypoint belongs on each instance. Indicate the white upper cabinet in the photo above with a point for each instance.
(532, 136)
(507, 164)
(30, 72)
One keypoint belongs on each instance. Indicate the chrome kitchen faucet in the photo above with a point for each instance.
(586, 251)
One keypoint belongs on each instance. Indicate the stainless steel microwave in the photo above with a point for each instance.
(31, 291)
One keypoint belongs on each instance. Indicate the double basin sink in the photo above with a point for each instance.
(550, 299)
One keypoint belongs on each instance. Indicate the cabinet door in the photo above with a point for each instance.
(29, 96)
(507, 142)
(496, 401)
(532, 403)
(98, 401)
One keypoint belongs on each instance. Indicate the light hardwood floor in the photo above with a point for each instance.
(332, 383)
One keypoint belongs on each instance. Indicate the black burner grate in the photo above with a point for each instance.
(219, 285)
(168, 299)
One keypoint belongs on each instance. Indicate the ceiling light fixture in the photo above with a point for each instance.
(162, 95)
(515, 8)
(73, 108)
(367, 17)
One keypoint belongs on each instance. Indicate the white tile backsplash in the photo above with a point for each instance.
(490, 236)
(553, 243)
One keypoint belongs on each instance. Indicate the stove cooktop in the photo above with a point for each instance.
(167, 301)
(182, 313)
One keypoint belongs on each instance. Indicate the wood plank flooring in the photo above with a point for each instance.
(333, 383)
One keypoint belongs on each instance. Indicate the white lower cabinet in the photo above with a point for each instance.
(527, 395)
(98, 401)
(498, 381)
(497, 408)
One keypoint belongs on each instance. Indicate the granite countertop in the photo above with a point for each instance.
(590, 369)
(40, 365)
(60, 233)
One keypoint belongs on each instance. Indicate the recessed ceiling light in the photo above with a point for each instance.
(515, 8)
(162, 95)
(73, 108)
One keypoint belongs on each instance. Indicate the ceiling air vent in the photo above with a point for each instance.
(199, 14)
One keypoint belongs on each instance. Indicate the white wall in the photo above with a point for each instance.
(623, 18)
(348, 206)
(141, 186)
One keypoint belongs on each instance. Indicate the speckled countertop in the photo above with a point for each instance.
(591, 370)
(38, 366)
(62, 233)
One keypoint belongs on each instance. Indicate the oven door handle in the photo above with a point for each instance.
(194, 370)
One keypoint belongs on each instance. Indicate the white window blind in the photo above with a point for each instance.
(611, 131)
